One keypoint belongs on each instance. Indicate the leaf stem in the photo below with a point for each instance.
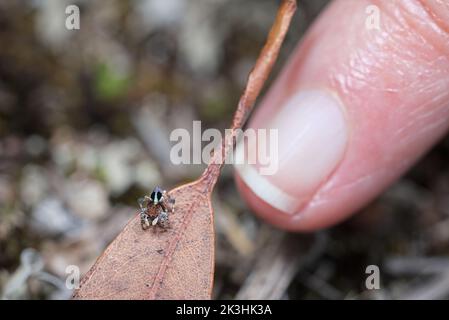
(256, 80)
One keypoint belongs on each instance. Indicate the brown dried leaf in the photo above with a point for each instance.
(179, 263)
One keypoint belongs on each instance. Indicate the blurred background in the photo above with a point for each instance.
(85, 118)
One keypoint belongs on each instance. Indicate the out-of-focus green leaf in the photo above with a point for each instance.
(109, 83)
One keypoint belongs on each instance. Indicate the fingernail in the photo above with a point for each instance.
(312, 138)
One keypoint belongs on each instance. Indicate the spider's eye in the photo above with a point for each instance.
(152, 196)
(159, 196)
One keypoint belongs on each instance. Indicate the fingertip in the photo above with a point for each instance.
(260, 207)
(373, 111)
(272, 215)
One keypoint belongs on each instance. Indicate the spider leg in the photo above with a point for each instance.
(143, 202)
(145, 223)
(163, 221)
(171, 204)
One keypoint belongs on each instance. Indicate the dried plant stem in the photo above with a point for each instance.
(256, 80)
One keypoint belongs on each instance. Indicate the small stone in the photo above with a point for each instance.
(33, 185)
(50, 217)
(87, 199)
(116, 161)
(35, 145)
(147, 174)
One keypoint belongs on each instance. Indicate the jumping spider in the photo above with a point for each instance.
(155, 209)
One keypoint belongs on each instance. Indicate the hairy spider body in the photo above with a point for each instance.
(155, 209)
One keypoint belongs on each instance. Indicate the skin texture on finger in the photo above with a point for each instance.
(393, 87)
